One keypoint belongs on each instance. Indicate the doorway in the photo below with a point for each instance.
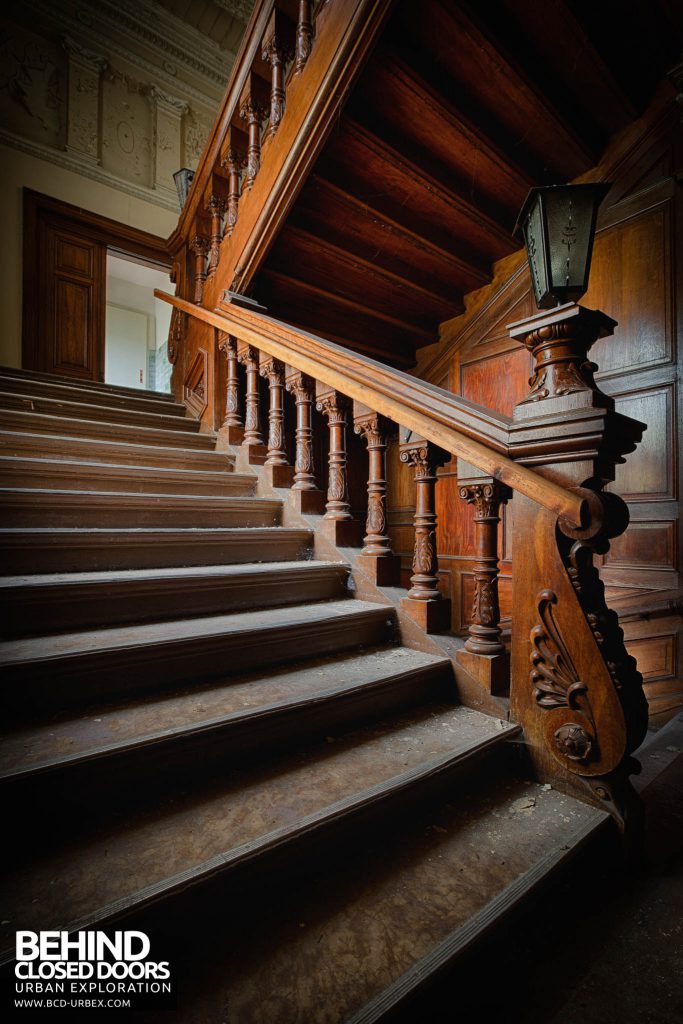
(67, 257)
(136, 326)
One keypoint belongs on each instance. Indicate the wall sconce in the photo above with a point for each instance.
(183, 180)
(558, 224)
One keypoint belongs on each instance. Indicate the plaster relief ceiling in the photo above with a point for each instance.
(222, 21)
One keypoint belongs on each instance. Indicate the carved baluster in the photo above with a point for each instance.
(304, 35)
(278, 49)
(274, 371)
(217, 205)
(334, 408)
(254, 107)
(234, 159)
(200, 247)
(249, 357)
(424, 600)
(232, 429)
(385, 565)
(303, 389)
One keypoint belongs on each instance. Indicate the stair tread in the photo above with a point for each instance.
(90, 385)
(132, 497)
(60, 579)
(66, 645)
(55, 425)
(115, 727)
(164, 402)
(16, 437)
(237, 815)
(122, 467)
(76, 409)
(392, 909)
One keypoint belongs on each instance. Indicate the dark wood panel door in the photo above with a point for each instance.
(71, 321)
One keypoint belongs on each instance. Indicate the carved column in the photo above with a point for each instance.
(200, 247)
(217, 205)
(484, 632)
(278, 49)
(83, 117)
(254, 107)
(249, 357)
(302, 387)
(274, 371)
(377, 553)
(304, 35)
(424, 599)
(334, 408)
(232, 429)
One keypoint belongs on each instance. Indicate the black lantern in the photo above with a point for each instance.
(183, 180)
(558, 223)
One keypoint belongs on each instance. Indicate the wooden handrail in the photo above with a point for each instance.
(435, 414)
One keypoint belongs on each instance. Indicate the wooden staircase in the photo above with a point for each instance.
(209, 737)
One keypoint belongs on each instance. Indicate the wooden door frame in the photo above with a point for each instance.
(119, 240)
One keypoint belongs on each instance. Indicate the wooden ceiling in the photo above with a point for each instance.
(459, 111)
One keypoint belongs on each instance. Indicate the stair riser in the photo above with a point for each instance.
(25, 610)
(81, 477)
(99, 511)
(86, 385)
(38, 423)
(154, 768)
(66, 393)
(109, 414)
(72, 682)
(113, 452)
(90, 553)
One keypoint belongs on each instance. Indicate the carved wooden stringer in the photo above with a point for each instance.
(563, 690)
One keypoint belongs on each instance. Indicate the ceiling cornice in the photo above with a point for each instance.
(238, 8)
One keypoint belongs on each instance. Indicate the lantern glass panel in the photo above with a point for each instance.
(183, 180)
(534, 238)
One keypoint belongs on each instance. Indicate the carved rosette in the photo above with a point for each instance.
(335, 408)
(557, 685)
(302, 387)
(484, 632)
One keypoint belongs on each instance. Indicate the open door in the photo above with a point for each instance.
(65, 283)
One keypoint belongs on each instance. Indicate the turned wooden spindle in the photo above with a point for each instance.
(424, 599)
(228, 345)
(375, 429)
(334, 407)
(233, 160)
(274, 371)
(278, 49)
(304, 35)
(484, 631)
(249, 357)
(200, 247)
(254, 109)
(302, 387)
(217, 205)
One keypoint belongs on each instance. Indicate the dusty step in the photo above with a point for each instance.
(40, 423)
(85, 410)
(18, 445)
(60, 549)
(321, 694)
(62, 602)
(86, 385)
(243, 817)
(70, 474)
(68, 669)
(388, 915)
(81, 393)
(26, 507)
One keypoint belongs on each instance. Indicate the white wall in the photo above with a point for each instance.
(130, 287)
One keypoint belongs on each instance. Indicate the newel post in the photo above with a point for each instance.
(424, 601)
(574, 689)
